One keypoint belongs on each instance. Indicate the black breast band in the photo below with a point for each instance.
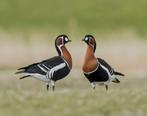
(99, 75)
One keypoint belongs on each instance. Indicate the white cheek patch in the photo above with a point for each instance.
(62, 41)
(86, 38)
(91, 45)
(61, 37)
(66, 39)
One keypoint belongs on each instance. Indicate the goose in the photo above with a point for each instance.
(97, 69)
(53, 69)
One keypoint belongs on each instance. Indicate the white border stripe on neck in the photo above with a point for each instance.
(66, 63)
(60, 49)
(92, 71)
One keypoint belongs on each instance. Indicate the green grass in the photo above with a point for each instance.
(72, 97)
(96, 15)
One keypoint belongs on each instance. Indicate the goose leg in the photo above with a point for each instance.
(106, 86)
(53, 85)
(115, 80)
(47, 86)
(93, 84)
(49, 80)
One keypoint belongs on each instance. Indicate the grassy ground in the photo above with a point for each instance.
(73, 96)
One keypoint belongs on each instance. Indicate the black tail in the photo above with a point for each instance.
(116, 81)
(118, 73)
(24, 77)
(20, 72)
(23, 71)
(23, 68)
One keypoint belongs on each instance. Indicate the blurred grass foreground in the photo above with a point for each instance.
(27, 32)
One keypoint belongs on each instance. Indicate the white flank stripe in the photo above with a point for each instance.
(110, 77)
(56, 68)
(106, 70)
(38, 76)
(62, 65)
(41, 68)
(46, 67)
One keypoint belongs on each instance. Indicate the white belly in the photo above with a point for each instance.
(39, 77)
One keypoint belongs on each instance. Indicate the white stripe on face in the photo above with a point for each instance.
(60, 41)
(61, 45)
(62, 38)
(91, 43)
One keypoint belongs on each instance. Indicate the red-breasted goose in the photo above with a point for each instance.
(97, 69)
(52, 69)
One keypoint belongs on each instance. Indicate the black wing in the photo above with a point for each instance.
(41, 67)
(111, 70)
(104, 63)
(50, 65)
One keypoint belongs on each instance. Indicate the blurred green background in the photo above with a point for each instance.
(90, 16)
(27, 32)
